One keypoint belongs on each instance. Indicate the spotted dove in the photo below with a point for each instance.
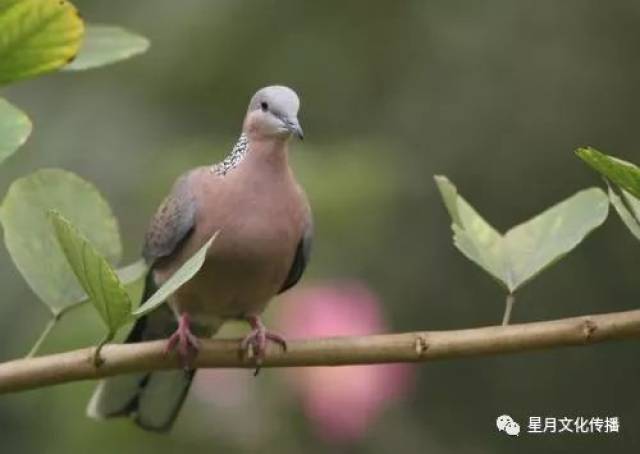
(264, 222)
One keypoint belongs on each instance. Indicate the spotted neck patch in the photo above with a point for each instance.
(234, 158)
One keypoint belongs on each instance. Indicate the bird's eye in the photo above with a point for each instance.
(264, 106)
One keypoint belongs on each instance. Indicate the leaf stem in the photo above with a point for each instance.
(47, 330)
(56, 316)
(506, 318)
(97, 359)
(71, 307)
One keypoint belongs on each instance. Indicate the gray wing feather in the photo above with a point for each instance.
(300, 260)
(172, 223)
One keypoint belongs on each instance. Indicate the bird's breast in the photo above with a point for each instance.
(259, 225)
(255, 220)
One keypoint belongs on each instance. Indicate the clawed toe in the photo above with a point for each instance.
(278, 339)
(183, 342)
(255, 343)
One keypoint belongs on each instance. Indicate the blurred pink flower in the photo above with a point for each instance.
(342, 402)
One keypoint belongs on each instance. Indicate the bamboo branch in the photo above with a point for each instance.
(30, 373)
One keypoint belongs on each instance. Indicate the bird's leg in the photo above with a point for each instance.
(183, 341)
(256, 340)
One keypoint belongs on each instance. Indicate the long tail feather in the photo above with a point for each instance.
(153, 400)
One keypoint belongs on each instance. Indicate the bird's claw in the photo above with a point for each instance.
(255, 343)
(184, 342)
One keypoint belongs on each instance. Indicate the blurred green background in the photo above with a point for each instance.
(494, 94)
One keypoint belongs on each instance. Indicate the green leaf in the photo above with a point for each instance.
(95, 274)
(37, 36)
(546, 238)
(473, 236)
(633, 204)
(623, 173)
(177, 280)
(629, 212)
(133, 276)
(15, 127)
(30, 238)
(105, 44)
(528, 248)
(133, 272)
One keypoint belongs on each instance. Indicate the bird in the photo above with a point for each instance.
(265, 228)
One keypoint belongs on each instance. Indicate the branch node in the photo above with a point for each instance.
(421, 344)
(588, 328)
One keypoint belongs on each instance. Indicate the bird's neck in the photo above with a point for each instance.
(234, 158)
(269, 153)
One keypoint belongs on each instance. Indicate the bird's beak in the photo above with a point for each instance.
(294, 128)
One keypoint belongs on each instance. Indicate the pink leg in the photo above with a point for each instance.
(256, 341)
(183, 341)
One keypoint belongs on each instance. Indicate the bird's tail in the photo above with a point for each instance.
(152, 399)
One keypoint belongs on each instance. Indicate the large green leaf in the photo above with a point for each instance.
(96, 276)
(30, 238)
(37, 36)
(177, 280)
(104, 44)
(528, 248)
(623, 173)
(15, 127)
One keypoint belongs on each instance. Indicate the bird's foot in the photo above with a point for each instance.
(184, 342)
(255, 343)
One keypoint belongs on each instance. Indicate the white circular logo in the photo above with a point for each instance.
(506, 424)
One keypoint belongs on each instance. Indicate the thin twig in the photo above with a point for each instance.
(77, 365)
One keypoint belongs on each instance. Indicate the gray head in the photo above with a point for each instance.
(272, 113)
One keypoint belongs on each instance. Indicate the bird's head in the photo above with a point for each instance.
(273, 113)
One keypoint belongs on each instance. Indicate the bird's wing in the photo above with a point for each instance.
(172, 224)
(301, 258)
